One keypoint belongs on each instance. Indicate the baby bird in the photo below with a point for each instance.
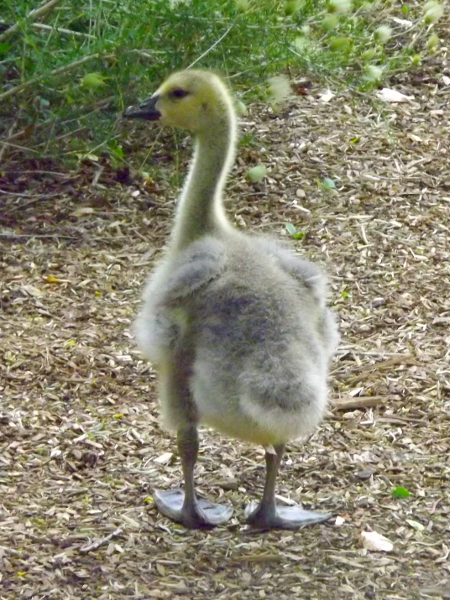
(236, 325)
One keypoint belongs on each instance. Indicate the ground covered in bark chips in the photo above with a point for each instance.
(366, 184)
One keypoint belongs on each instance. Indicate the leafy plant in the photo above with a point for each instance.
(400, 492)
(68, 67)
(293, 232)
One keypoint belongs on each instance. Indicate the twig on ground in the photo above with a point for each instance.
(364, 371)
(26, 204)
(102, 541)
(11, 234)
(357, 402)
(266, 557)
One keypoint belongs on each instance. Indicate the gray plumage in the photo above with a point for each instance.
(261, 334)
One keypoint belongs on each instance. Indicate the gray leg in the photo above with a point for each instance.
(267, 515)
(185, 507)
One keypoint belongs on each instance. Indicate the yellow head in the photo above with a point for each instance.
(192, 100)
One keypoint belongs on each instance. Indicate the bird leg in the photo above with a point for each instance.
(267, 515)
(185, 507)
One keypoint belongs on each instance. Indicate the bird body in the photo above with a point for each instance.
(236, 324)
(262, 340)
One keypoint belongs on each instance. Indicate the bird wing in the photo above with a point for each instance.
(202, 262)
(299, 268)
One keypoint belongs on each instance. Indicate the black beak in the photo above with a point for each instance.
(147, 110)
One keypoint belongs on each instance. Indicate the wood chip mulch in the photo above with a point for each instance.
(81, 448)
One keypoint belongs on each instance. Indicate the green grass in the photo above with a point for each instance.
(66, 74)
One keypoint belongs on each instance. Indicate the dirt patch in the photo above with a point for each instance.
(81, 446)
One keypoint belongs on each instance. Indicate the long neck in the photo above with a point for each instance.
(200, 210)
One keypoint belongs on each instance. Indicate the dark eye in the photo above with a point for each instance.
(178, 93)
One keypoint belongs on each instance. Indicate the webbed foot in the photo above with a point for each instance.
(282, 517)
(199, 515)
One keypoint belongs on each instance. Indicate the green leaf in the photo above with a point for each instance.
(93, 80)
(339, 43)
(373, 73)
(241, 109)
(432, 42)
(4, 48)
(330, 21)
(301, 43)
(242, 5)
(340, 6)
(383, 33)
(433, 11)
(400, 492)
(369, 54)
(292, 6)
(255, 174)
(291, 229)
(328, 184)
(116, 149)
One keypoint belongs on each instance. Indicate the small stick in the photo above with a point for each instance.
(360, 373)
(212, 47)
(11, 234)
(258, 558)
(102, 541)
(33, 14)
(357, 402)
(22, 86)
(62, 30)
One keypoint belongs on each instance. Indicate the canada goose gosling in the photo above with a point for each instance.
(236, 325)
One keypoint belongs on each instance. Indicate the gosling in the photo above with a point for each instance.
(236, 325)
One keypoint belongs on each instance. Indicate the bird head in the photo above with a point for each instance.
(191, 100)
